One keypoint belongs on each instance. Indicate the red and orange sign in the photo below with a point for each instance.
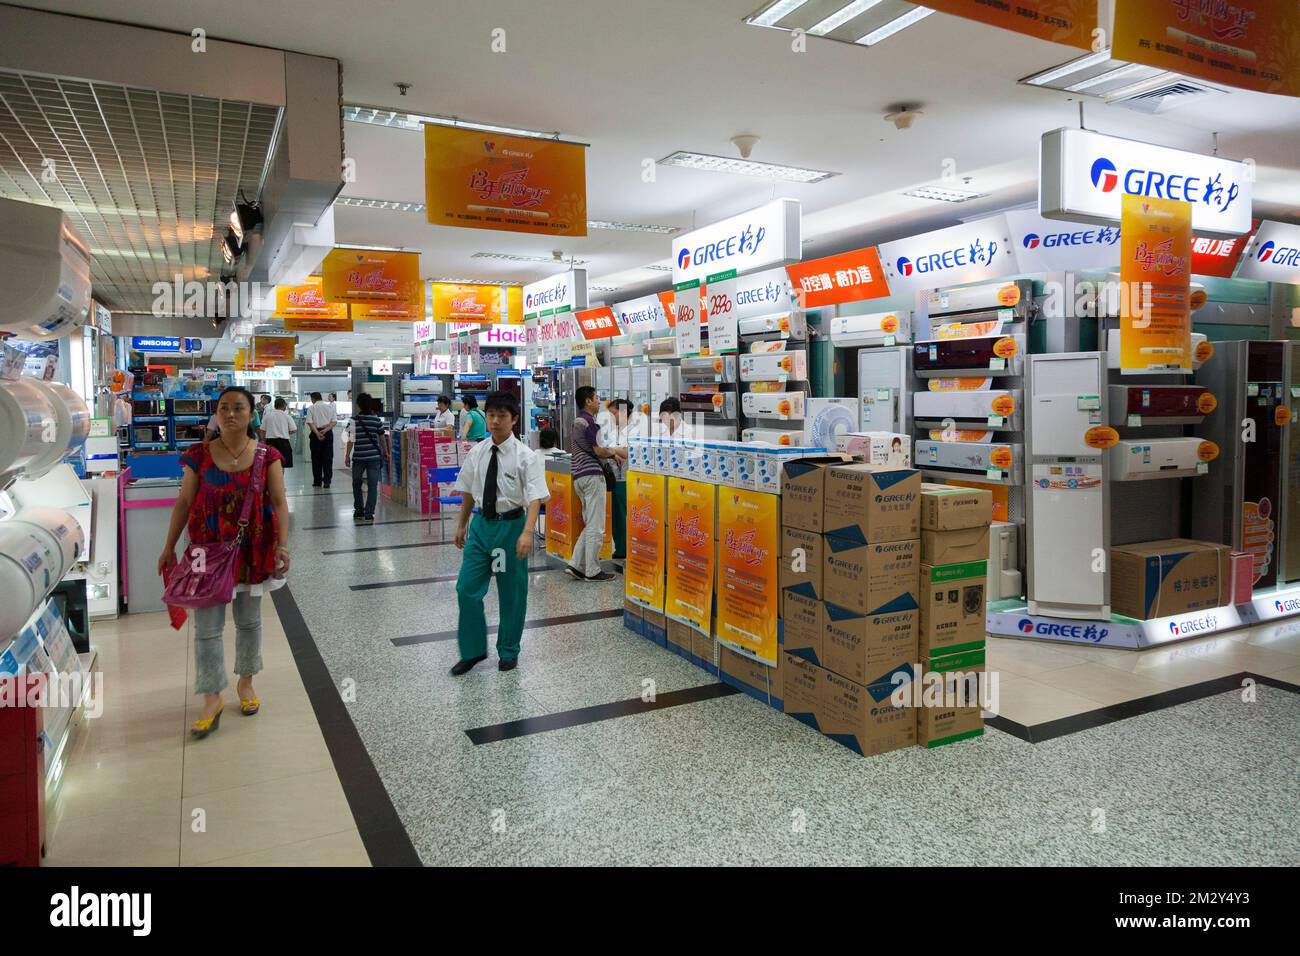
(1218, 257)
(847, 277)
(666, 301)
(1004, 405)
(1101, 436)
(372, 278)
(1206, 403)
(1009, 295)
(413, 312)
(1071, 22)
(1000, 458)
(749, 548)
(1004, 347)
(1155, 284)
(1204, 351)
(1249, 44)
(1208, 450)
(271, 350)
(691, 516)
(560, 536)
(307, 301)
(597, 323)
(643, 575)
(480, 180)
(1282, 415)
(466, 303)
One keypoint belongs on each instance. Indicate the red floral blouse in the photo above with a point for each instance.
(219, 504)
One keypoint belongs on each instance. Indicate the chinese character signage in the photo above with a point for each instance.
(597, 323)
(644, 572)
(274, 349)
(749, 531)
(1155, 285)
(1071, 22)
(307, 301)
(465, 303)
(690, 530)
(373, 278)
(847, 277)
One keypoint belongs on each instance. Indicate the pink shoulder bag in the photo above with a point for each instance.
(209, 573)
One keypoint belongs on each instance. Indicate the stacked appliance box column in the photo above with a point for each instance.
(773, 382)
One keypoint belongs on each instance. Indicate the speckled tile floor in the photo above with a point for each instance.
(730, 781)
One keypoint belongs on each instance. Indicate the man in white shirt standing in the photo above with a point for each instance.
(445, 418)
(321, 421)
(277, 427)
(505, 478)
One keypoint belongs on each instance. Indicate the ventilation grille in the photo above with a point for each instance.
(1166, 96)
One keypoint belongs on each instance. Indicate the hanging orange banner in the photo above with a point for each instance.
(692, 509)
(394, 312)
(597, 323)
(466, 303)
(307, 301)
(749, 547)
(481, 180)
(514, 305)
(643, 575)
(1249, 44)
(847, 277)
(372, 278)
(1155, 274)
(311, 324)
(1071, 22)
(274, 349)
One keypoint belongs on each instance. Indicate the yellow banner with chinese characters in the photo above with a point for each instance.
(480, 180)
(643, 575)
(307, 301)
(390, 279)
(514, 305)
(1155, 315)
(692, 514)
(453, 302)
(559, 515)
(749, 548)
(1061, 21)
(271, 350)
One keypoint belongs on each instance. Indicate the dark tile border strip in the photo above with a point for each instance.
(1075, 723)
(440, 579)
(528, 626)
(590, 715)
(386, 841)
(392, 547)
(349, 523)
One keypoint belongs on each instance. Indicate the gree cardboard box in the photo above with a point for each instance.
(949, 692)
(801, 559)
(868, 503)
(1173, 576)
(654, 626)
(867, 647)
(951, 508)
(801, 623)
(753, 677)
(632, 617)
(954, 547)
(704, 651)
(870, 577)
(952, 607)
(862, 718)
(803, 489)
(799, 684)
(679, 638)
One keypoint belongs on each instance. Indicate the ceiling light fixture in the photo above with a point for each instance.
(915, 15)
(776, 11)
(391, 204)
(744, 167)
(1109, 76)
(511, 257)
(659, 268)
(448, 281)
(940, 194)
(1065, 69)
(841, 17)
(230, 247)
(245, 217)
(632, 227)
(378, 116)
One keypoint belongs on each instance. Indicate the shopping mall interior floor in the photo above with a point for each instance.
(360, 754)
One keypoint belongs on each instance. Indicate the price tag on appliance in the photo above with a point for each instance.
(890, 341)
(884, 394)
(1089, 403)
(995, 421)
(1134, 421)
(1295, 391)
(994, 473)
(1252, 389)
(997, 364)
(1007, 315)
(1202, 467)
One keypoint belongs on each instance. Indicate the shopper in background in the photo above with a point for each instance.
(366, 458)
(334, 403)
(504, 477)
(445, 418)
(321, 420)
(473, 426)
(616, 435)
(591, 480)
(259, 413)
(278, 427)
(121, 412)
(549, 440)
(217, 477)
(671, 425)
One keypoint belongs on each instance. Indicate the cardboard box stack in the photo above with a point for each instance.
(1174, 576)
(954, 564)
(425, 448)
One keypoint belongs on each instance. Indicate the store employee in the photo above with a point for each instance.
(505, 478)
(445, 418)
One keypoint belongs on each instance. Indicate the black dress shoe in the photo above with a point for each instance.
(465, 666)
(507, 663)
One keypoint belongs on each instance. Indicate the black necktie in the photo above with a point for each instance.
(490, 487)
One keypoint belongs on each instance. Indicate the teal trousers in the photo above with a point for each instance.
(490, 552)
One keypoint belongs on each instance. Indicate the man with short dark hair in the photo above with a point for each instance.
(615, 434)
(366, 458)
(321, 420)
(590, 484)
(504, 477)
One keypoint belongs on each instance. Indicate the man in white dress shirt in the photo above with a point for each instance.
(505, 478)
(321, 420)
(277, 427)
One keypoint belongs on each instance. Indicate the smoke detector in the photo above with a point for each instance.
(744, 143)
(903, 117)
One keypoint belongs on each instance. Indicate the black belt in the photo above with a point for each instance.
(504, 515)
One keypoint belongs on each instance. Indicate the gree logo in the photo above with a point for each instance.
(1026, 626)
(1032, 241)
(684, 259)
(1104, 175)
(905, 266)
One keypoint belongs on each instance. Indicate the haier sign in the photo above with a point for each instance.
(971, 252)
(1083, 175)
(767, 236)
(566, 292)
(1047, 245)
(1274, 256)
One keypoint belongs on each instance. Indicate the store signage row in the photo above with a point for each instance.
(566, 292)
(1084, 175)
(165, 344)
(767, 236)
(646, 314)
(597, 323)
(503, 336)
(848, 277)
(1062, 21)
(480, 180)
(970, 252)
(1274, 256)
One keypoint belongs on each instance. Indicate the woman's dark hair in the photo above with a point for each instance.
(670, 405)
(444, 400)
(548, 438)
(469, 401)
(620, 403)
(248, 397)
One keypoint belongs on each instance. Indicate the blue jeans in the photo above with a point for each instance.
(210, 652)
(367, 471)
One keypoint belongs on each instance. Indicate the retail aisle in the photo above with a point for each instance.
(561, 761)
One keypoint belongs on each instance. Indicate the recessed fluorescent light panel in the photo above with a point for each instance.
(394, 205)
(864, 22)
(632, 227)
(378, 116)
(509, 257)
(745, 167)
(943, 195)
(881, 34)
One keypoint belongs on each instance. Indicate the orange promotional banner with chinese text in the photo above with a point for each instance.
(1249, 44)
(1062, 21)
(643, 575)
(597, 323)
(749, 547)
(372, 278)
(307, 301)
(847, 277)
(514, 305)
(692, 511)
(481, 180)
(466, 303)
(394, 312)
(667, 299)
(311, 324)
(559, 515)
(274, 349)
(1155, 272)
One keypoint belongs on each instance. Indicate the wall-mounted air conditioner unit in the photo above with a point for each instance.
(1156, 458)
(995, 408)
(1159, 404)
(964, 358)
(849, 331)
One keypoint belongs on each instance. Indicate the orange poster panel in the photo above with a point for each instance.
(559, 515)
(307, 301)
(847, 277)
(749, 529)
(1062, 21)
(692, 509)
(1249, 44)
(390, 312)
(515, 305)
(271, 350)
(481, 180)
(667, 300)
(643, 575)
(597, 323)
(372, 278)
(1155, 272)
(310, 324)
(466, 303)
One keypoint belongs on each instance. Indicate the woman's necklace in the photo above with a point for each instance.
(234, 459)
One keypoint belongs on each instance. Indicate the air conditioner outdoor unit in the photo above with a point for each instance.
(848, 331)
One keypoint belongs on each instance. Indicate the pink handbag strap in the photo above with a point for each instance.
(254, 490)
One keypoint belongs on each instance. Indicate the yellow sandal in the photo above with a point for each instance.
(248, 707)
(201, 728)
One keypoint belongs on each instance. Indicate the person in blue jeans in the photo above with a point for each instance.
(366, 458)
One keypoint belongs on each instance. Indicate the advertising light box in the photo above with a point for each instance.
(1274, 256)
(767, 236)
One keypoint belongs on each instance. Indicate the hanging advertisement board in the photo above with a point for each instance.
(1274, 256)
(1155, 281)
(847, 277)
(1071, 22)
(767, 236)
(373, 278)
(970, 252)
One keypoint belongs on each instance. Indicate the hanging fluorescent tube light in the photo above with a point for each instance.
(1065, 69)
(745, 167)
(777, 11)
(841, 17)
(1109, 76)
(894, 26)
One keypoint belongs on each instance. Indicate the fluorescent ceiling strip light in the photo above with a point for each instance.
(632, 227)
(386, 117)
(659, 268)
(843, 16)
(447, 281)
(1107, 77)
(777, 11)
(395, 205)
(894, 26)
(1142, 86)
(510, 257)
(744, 167)
(939, 194)
(1065, 69)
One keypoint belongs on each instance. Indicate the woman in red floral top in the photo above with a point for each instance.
(218, 474)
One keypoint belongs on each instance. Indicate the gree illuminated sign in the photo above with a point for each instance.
(767, 236)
